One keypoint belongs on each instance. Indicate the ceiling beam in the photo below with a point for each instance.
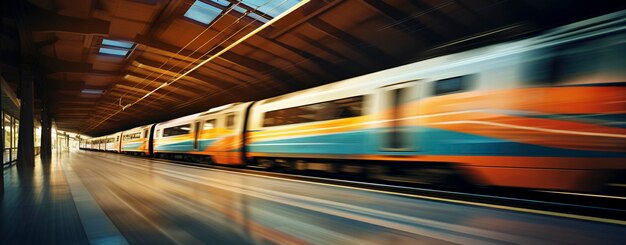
(45, 21)
(382, 58)
(231, 76)
(53, 65)
(461, 29)
(311, 10)
(194, 76)
(52, 74)
(123, 91)
(259, 67)
(144, 79)
(407, 23)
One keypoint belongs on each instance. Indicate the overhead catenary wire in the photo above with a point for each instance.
(214, 47)
(188, 56)
(230, 8)
(170, 58)
(198, 48)
(237, 42)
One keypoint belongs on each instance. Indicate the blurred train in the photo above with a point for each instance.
(547, 112)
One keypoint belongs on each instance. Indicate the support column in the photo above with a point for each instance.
(26, 141)
(26, 138)
(46, 132)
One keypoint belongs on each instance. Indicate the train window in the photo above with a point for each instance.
(590, 61)
(329, 110)
(349, 107)
(132, 136)
(176, 130)
(209, 124)
(450, 85)
(230, 121)
(145, 133)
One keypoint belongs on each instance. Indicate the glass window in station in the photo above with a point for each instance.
(10, 128)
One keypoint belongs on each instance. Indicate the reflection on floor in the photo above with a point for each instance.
(142, 201)
(37, 207)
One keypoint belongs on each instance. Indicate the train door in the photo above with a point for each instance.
(196, 135)
(225, 135)
(119, 142)
(399, 111)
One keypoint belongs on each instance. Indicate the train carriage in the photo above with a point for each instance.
(211, 136)
(112, 142)
(527, 114)
(136, 141)
(543, 113)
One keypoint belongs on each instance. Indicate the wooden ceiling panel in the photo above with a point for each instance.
(322, 42)
(73, 8)
(69, 50)
(70, 36)
(131, 10)
(107, 66)
(126, 29)
(180, 32)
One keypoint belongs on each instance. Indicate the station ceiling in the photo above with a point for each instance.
(96, 62)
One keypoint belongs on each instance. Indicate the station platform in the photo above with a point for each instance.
(105, 198)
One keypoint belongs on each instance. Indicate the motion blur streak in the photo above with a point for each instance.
(545, 112)
(157, 202)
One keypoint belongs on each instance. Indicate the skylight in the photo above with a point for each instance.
(118, 52)
(205, 13)
(115, 47)
(92, 91)
(202, 12)
(119, 44)
(271, 7)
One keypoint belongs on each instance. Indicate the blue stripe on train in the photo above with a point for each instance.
(132, 146)
(429, 141)
(185, 146)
